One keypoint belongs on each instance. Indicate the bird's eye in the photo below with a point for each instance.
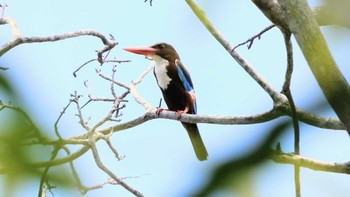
(160, 46)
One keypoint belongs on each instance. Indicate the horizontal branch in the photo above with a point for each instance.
(319, 121)
(308, 118)
(311, 163)
(209, 119)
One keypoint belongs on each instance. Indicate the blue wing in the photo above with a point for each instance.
(186, 81)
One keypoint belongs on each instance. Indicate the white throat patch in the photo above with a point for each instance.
(160, 71)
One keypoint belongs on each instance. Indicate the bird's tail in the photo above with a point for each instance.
(196, 140)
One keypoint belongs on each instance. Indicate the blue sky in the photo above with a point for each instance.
(159, 151)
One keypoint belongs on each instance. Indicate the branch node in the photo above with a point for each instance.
(251, 40)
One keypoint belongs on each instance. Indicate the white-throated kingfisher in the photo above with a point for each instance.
(177, 88)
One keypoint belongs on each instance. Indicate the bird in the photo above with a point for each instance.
(176, 86)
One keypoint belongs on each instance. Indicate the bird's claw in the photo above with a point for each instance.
(159, 109)
(180, 112)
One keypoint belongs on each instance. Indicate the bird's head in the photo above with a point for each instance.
(156, 52)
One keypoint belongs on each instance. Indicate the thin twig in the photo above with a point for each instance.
(160, 103)
(251, 40)
(14, 28)
(91, 98)
(100, 164)
(115, 61)
(104, 61)
(59, 118)
(44, 175)
(112, 80)
(287, 92)
(3, 7)
(80, 115)
(135, 94)
(106, 138)
(75, 173)
(109, 44)
(106, 118)
(114, 70)
(150, 2)
(80, 67)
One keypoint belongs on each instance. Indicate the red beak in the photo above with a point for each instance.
(141, 50)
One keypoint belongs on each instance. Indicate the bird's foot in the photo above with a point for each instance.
(159, 109)
(180, 112)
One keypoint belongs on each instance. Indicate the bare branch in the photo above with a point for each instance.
(150, 2)
(251, 40)
(222, 120)
(114, 70)
(135, 94)
(59, 118)
(3, 7)
(80, 67)
(75, 173)
(106, 118)
(111, 79)
(80, 115)
(106, 137)
(15, 30)
(109, 44)
(93, 98)
(100, 60)
(109, 172)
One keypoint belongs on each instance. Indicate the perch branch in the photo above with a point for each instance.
(303, 116)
